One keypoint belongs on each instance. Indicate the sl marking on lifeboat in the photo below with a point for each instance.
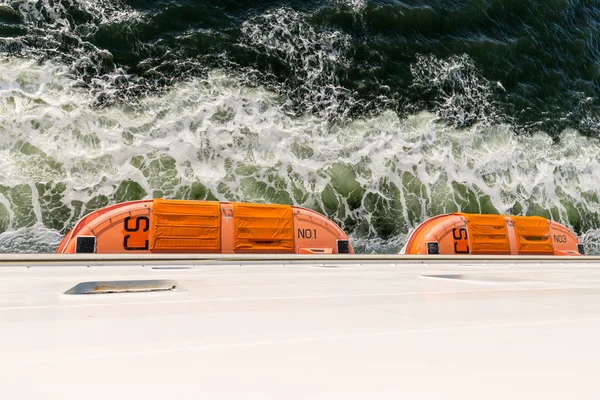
(307, 233)
(457, 234)
(134, 229)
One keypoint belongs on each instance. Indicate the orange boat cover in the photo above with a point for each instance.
(533, 235)
(488, 233)
(268, 227)
(185, 226)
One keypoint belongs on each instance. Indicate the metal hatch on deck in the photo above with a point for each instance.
(137, 286)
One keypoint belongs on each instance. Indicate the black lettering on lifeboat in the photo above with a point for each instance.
(137, 224)
(127, 247)
(136, 228)
(307, 233)
(560, 238)
(460, 236)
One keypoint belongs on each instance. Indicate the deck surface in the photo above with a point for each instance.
(320, 330)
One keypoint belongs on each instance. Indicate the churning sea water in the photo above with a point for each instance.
(378, 114)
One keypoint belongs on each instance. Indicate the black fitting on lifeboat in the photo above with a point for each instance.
(343, 247)
(433, 248)
(85, 244)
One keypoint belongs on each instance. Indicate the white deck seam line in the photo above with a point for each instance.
(233, 299)
(195, 272)
(72, 259)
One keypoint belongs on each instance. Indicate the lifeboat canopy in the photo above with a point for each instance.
(462, 234)
(188, 226)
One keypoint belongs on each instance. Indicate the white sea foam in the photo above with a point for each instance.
(461, 94)
(33, 239)
(240, 144)
(356, 5)
(314, 56)
(54, 13)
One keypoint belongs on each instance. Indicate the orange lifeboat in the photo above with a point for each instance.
(461, 233)
(182, 226)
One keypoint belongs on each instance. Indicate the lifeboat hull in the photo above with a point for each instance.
(182, 226)
(463, 234)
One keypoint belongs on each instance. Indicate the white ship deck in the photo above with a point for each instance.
(302, 328)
